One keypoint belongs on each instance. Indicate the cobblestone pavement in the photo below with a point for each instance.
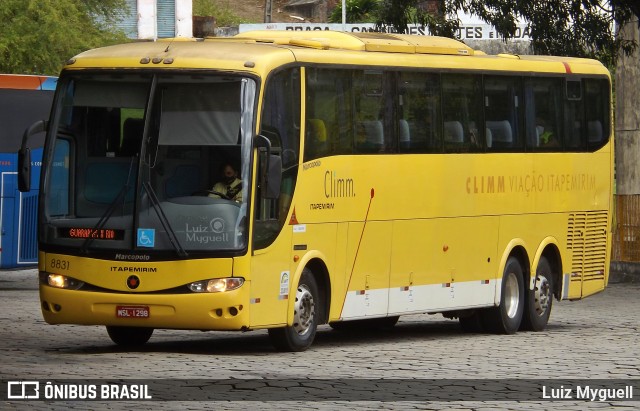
(596, 338)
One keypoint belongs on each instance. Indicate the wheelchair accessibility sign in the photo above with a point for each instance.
(146, 237)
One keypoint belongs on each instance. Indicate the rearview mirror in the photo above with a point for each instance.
(24, 170)
(270, 168)
(24, 155)
(273, 178)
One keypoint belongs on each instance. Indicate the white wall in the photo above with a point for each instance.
(148, 19)
(184, 18)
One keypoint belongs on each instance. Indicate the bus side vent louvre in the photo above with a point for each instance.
(587, 241)
(29, 228)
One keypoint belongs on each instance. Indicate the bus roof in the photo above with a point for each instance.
(222, 53)
(261, 51)
(391, 43)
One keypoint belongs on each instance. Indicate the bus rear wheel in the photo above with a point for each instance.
(306, 314)
(539, 300)
(507, 317)
(129, 336)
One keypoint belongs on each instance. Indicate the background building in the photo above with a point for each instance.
(314, 10)
(152, 19)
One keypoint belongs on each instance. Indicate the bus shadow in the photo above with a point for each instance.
(258, 343)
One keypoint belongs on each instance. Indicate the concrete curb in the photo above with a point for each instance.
(623, 272)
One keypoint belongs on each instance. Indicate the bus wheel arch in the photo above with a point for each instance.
(517, 248)
(545, 285)
(506, 317)
(552, 254)
(309, 304)
(321, 274)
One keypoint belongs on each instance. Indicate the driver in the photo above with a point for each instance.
(230, 187)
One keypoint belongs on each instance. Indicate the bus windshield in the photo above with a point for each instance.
(149, 163)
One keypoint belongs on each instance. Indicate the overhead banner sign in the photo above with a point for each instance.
(465, 32)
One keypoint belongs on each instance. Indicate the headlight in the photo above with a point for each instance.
(216, 285)
(62, 281)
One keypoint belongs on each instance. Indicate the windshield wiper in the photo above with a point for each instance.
(109, 211)
(164, 221)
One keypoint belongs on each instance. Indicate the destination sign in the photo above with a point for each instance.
(98, 234)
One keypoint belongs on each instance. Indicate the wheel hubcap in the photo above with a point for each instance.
(511, 295)
(304, 310)
(541, 295)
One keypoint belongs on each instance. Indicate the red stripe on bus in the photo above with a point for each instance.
(21, 82)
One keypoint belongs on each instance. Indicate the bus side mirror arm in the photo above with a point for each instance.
(270, 170)
(24, 155)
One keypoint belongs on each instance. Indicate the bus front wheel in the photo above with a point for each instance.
(539, 300)
(129, 336)
(507, 317)
(300, 335)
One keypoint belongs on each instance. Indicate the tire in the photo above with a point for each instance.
(507, 317)
(129, 336)
(471, 323)
(306, 315)
(538, 301)
(382, 323)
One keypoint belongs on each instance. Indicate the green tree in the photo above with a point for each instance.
(357, 11)
(399, 14)
(222, 12)
(584, 28)
(38, 36)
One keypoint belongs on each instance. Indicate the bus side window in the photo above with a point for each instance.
(370, 136)
(60, 178)
(596, 94)
(281, 125)
(503, 110)
(575, 136)
(453, 132)
(462, 109)
(315, 141)
(369, 111)
(419, 113)
(329, 98)
(594, 131)
(404, 134)
(545, 109)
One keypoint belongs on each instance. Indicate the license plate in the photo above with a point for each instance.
(129, 311)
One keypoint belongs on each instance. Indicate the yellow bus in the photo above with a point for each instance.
(283, 180)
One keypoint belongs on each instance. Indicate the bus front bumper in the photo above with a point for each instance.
(197, 311)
